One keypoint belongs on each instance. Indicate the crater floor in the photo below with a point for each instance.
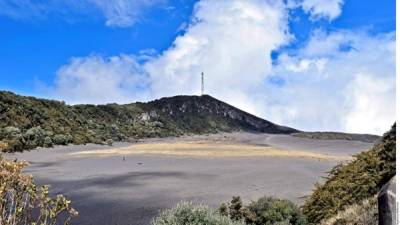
(130, 183)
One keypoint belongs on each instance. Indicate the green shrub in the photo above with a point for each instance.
(12, 139)
(10, 132)
(48, 142)
(34, 137)
(223, 210)
(61, 139)
(269, 211)
(109, 142)
(187, 213)
(236, 208)
(265, 211)
(351, 183)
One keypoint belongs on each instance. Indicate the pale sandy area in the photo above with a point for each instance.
(210, 149)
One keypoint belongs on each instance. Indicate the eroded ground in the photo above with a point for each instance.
(130, 184)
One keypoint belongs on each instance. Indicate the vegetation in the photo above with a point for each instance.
(27, 122)
(350, 184)
(264, 211)
(23, 202)
(364, 213)
(338, 136)
(187, 213)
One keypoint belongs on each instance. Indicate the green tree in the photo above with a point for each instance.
(351, 183)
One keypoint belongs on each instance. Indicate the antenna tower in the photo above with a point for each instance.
(202, 83)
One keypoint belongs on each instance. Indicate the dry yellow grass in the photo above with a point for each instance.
(207, 149)
(365, 213)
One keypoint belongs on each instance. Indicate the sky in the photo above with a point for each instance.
(315, 65)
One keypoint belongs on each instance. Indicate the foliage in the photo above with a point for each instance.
(236, 208)
(338, 136)
(62, 139)
(23, 202)
(109, 142)
(264, 211)
(27, 122)
(351, 183)
(187, 213)
(364, 213)
(223, 210)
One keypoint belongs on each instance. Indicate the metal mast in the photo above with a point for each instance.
(202, 83)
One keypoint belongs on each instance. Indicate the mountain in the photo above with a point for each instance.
(28, 122)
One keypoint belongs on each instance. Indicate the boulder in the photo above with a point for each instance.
(387, 203)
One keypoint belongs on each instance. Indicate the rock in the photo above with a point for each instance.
(145, 117)
(387, 203)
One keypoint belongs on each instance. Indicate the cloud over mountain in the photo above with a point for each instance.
(337, 81)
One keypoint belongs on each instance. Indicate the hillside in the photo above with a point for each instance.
(338, 136)
(349, 185)
(28, 122)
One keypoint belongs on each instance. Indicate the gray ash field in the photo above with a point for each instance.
(132, 188)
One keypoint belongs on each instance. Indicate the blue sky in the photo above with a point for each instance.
(145, 49)
(43, 44)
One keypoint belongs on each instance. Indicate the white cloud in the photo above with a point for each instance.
(329, 9)
(372, 103)
(95, 79)
(306, 64)
(326, 85)
(123, 13)
(354, 91)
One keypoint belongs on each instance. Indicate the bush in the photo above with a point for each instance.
(12, 145)
(109, 142)
(265, 211)
(48, 142)
(23, 202)
(34, 137)
(61, 139)
(235, 208)
(349, 184)
(10, 132)
(187, 213)
(223, 210)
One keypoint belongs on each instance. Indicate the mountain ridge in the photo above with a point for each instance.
(29, 122)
